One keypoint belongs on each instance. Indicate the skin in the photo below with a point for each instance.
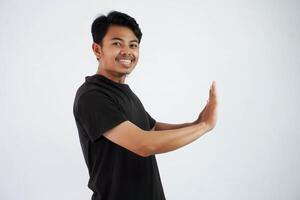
(118, 44)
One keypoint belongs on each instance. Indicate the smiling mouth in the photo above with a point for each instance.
(126, 62)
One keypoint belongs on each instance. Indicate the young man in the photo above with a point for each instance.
(119, 138)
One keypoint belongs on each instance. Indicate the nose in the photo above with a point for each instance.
(125, 50)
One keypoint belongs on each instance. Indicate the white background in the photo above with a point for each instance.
(251, 49)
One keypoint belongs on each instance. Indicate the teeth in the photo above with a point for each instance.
(125, 61)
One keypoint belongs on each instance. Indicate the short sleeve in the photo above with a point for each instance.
(151, 120)
(98, 113)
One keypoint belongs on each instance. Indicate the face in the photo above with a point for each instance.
(119, 51)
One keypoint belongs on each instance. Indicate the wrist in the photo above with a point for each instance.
(194, 122)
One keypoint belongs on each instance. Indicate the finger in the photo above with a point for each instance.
(213, 92)
(214, 85)
(211, 89)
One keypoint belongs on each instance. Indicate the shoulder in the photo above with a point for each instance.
(93, 91)
(94, 96)
(92, 100)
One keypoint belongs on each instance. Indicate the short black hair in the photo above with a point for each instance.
(102, 23)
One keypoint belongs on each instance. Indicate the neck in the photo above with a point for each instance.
(116, 77)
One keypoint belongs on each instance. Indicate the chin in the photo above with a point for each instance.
(129, 70)
(122, 73)
(127, 73)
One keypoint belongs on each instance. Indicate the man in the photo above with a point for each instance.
(119, 138)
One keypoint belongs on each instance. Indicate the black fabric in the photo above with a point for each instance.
(115, 172)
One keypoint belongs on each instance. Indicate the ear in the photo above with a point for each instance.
(97, 50)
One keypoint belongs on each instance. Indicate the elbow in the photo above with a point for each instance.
(147, 146)
(146, 150)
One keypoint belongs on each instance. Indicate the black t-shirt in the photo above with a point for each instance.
(115, 172)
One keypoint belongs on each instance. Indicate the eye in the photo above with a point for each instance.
(116, 44)
(134, 46)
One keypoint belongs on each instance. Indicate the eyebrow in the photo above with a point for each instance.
(116, 38)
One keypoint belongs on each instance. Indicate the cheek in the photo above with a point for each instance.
(136, 55)
(112, 56)
(136, 59)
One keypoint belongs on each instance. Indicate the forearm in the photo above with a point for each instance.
(159, 126)
(169, 140)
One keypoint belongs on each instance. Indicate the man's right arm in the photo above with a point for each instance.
(146, 143)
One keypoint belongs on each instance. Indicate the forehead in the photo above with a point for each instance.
(122, 32)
